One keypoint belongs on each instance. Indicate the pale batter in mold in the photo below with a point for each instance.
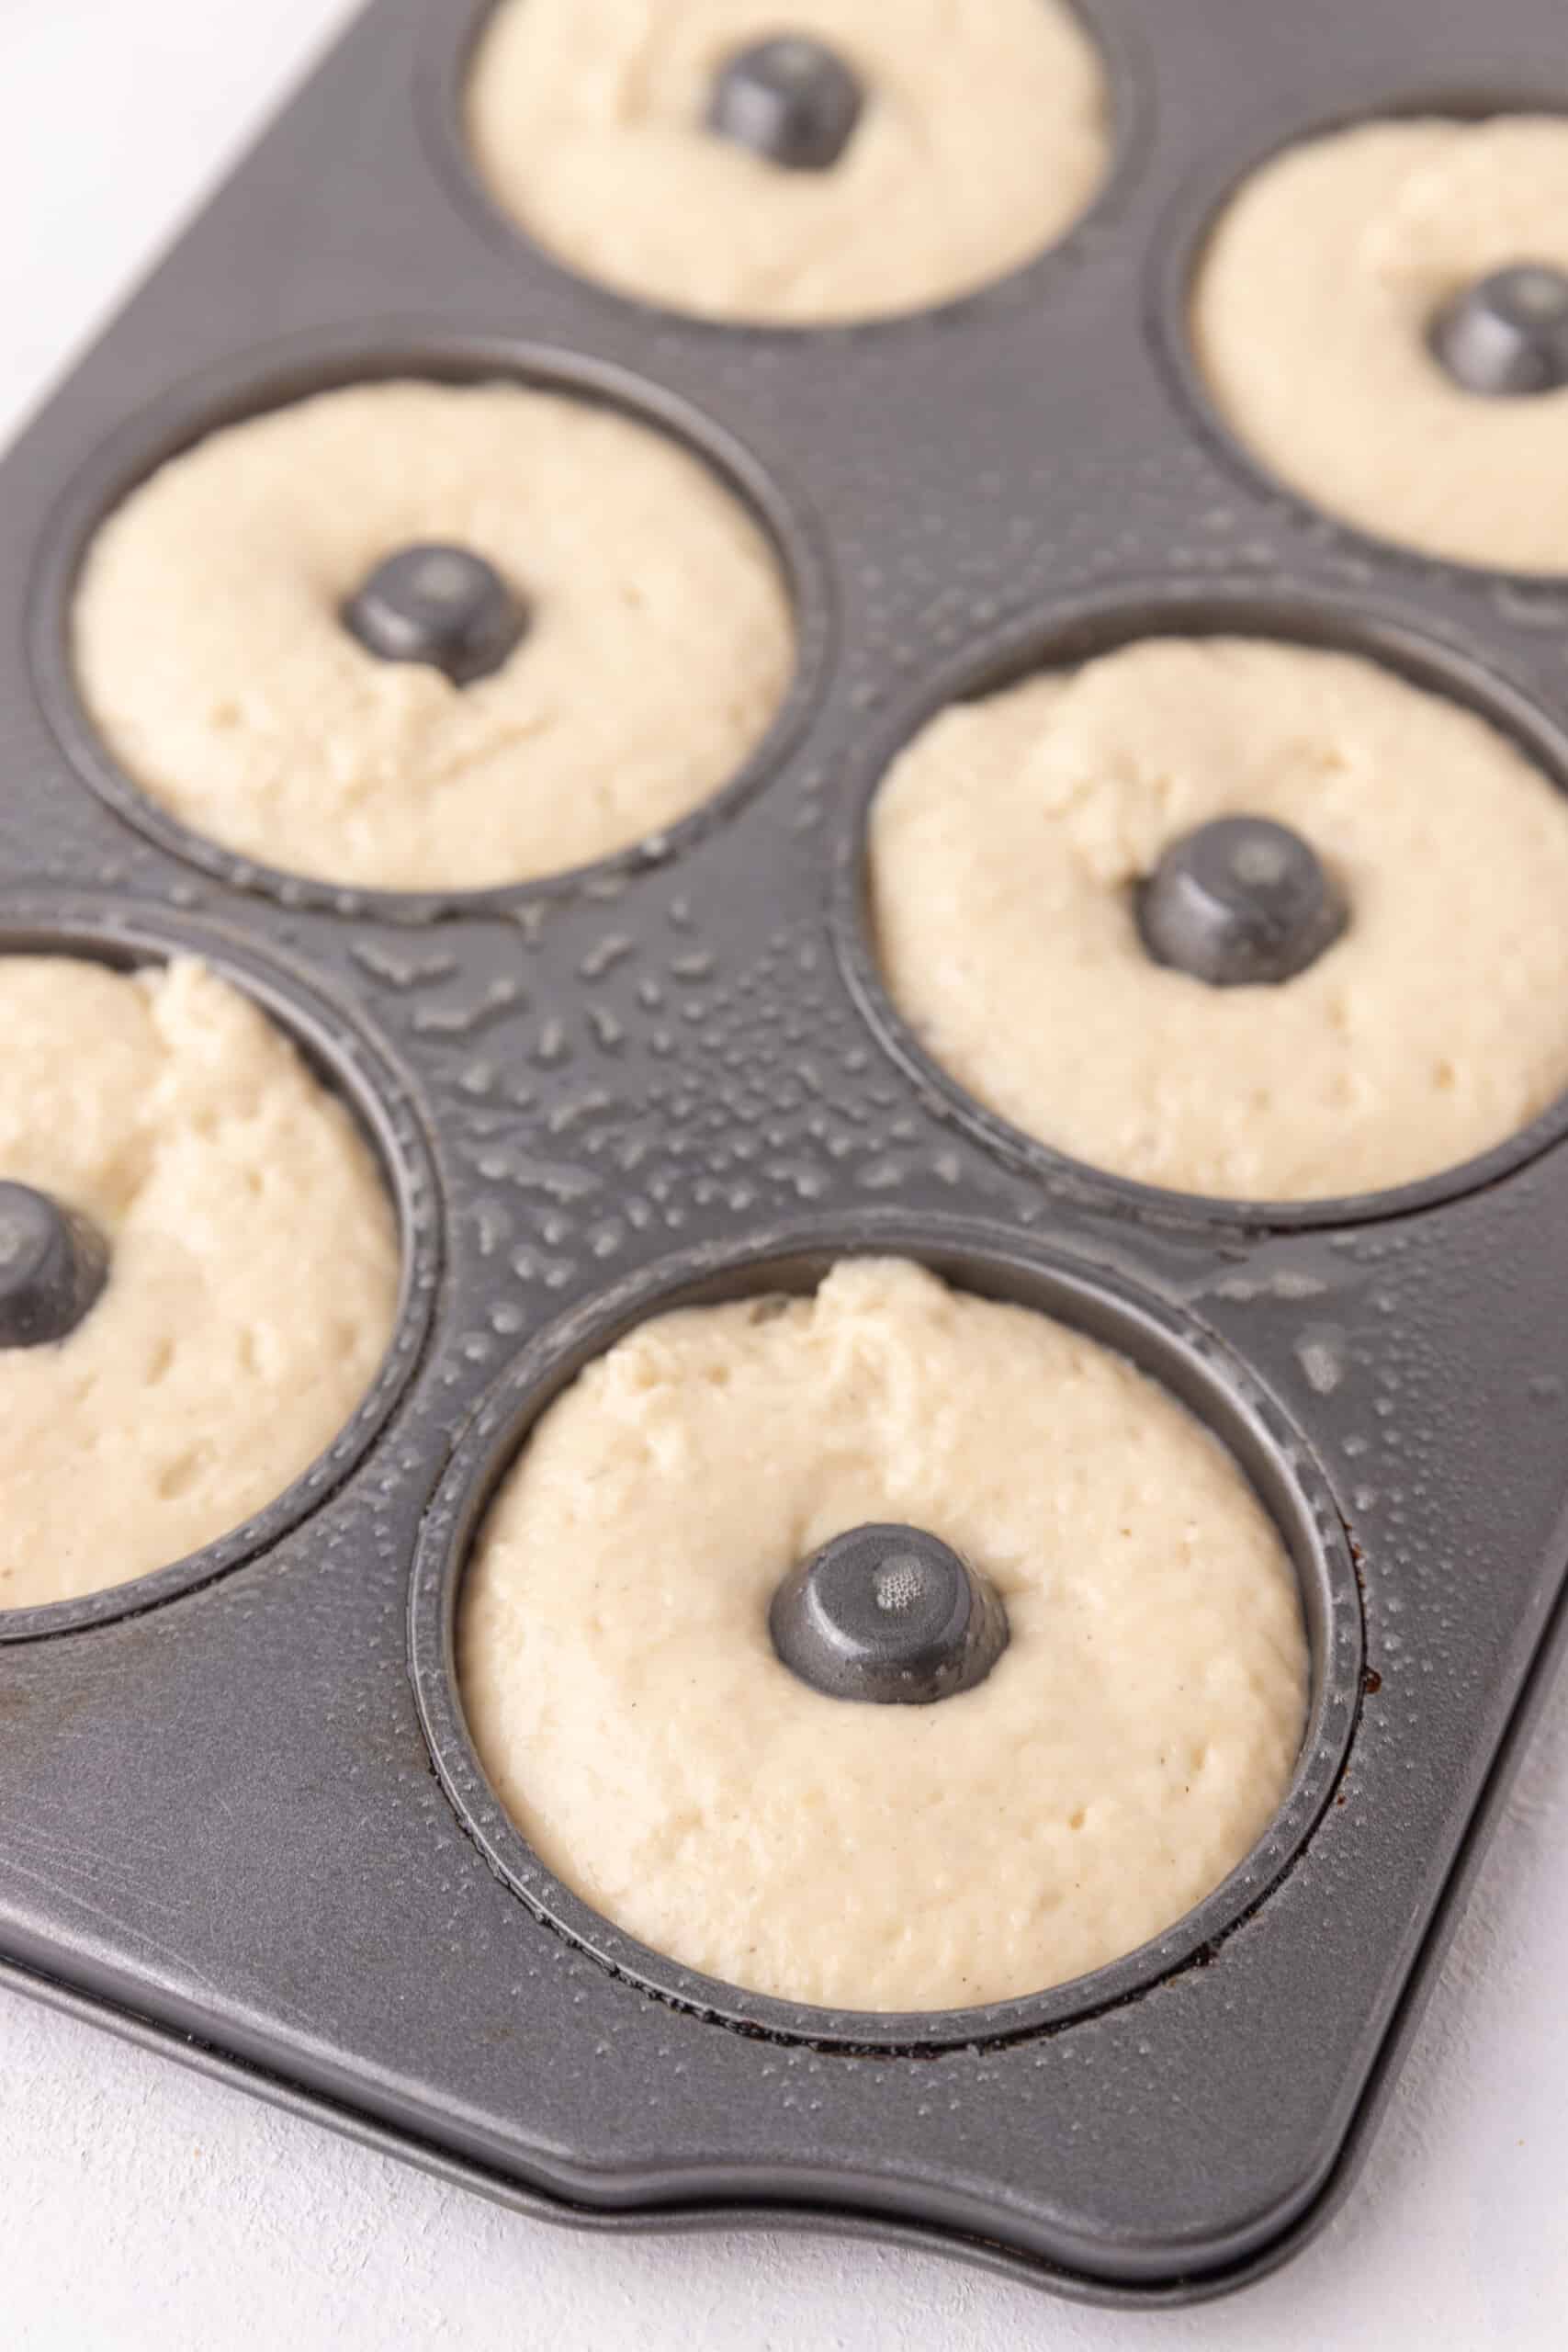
(1311, 317)
(1008, 846)
(210, 651)
(982, 136)
(1122, 1756)
(253, 1270)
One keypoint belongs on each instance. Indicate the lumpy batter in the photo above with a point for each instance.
(1007, 846)
(210, 651)
(1311, 319)
(984, 134)
(1121, 1758)
(253, 1270)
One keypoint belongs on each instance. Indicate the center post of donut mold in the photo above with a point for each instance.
(442, 606)
(53, 1264)
(790, 99)
(1505, 335)
(1240, 902)
(890, 1615)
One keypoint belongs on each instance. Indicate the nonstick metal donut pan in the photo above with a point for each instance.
(241, 1810)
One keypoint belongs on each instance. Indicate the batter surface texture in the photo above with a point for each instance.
(1123, 1754)
(1009, 844)
(252, 1275)
(984, 135)
(1311, 320)
(210, 649)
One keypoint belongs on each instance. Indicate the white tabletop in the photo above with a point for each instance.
(146, 2207)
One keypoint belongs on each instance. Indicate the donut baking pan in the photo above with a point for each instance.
(242, 1812)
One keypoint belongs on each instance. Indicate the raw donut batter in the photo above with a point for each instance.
(1122, 1756)
(1311, 320)
(1007, 846)
(982, 136)
(253, 1270)
(210, 651)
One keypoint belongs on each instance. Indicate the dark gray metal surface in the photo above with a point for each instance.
(675, 1076)
(888, 1615)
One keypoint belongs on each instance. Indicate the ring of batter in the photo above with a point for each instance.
(1123, 1754)
(253, 1270)
(1008, 846)
(1311, 320)
(984, 135)
(211, 651)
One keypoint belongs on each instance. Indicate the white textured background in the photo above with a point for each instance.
(144, 2207)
